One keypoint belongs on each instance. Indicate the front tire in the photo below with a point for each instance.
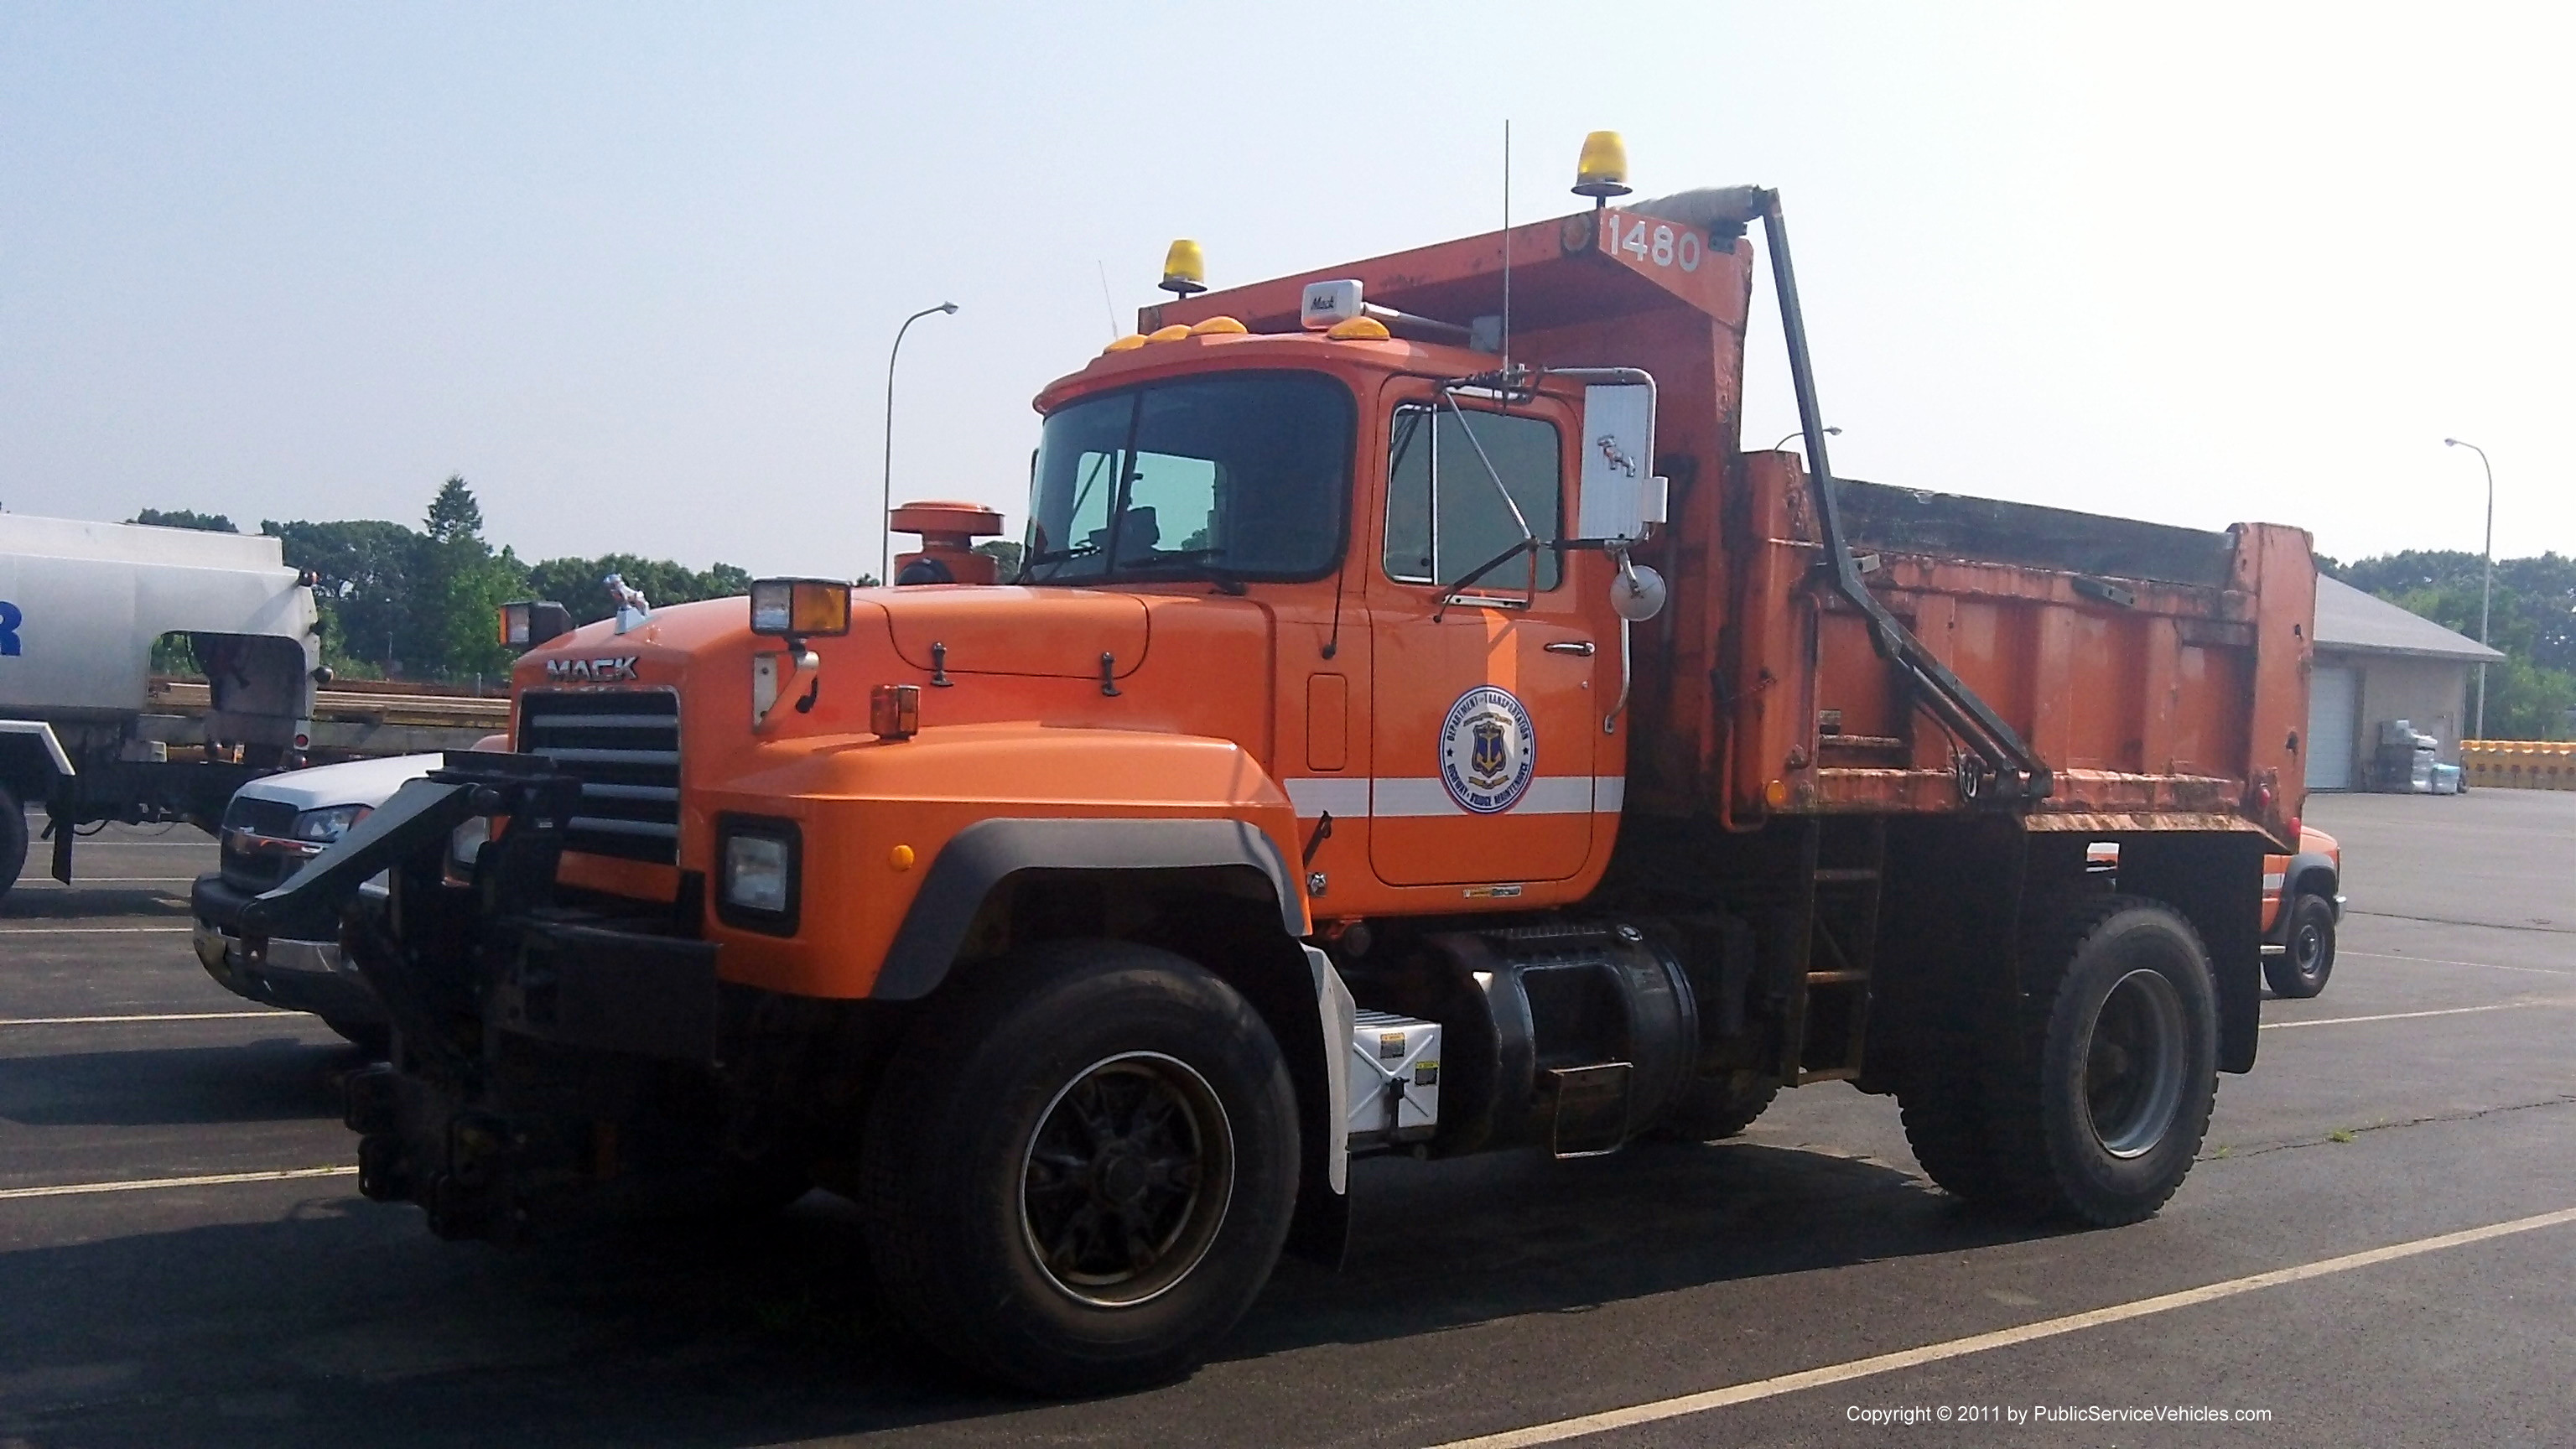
(2300, 971)
(2100, 1114)
(1080, 1170)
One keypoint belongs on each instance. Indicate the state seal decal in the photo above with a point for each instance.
(1488, 750)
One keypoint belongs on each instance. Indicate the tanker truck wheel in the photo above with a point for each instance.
(13, 840)
(1080, 1169)
(2099, 1116)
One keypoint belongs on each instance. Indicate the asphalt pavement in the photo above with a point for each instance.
(2377, 1247)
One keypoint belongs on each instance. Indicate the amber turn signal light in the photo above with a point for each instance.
(894, 711)
(800, 608)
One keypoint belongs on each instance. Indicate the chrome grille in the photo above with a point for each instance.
(624, 745)
(254, 867)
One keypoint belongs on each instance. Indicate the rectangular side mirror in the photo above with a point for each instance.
(1620, 494)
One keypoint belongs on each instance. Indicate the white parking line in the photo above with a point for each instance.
(1674, 1408)
(96, 930)
(48, 883)
(2406, 1015)
(77, 1189)
(162, 1016)
(2446, 961)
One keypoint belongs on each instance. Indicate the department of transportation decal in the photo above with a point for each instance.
(1488, 750)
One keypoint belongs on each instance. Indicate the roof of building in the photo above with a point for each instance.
(2359, 623)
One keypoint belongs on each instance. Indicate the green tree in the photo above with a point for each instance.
(577, 583)
(2531, 618)
(461, 585)
(184, 518)
(364, 569)
(1006, 557)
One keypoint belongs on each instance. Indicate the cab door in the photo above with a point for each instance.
(1485, 707)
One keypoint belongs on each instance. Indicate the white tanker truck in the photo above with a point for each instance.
(88, 733)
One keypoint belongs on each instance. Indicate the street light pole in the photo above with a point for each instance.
(885, 515)
(1784, 441)
(2486, 594)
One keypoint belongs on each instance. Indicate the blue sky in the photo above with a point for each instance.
(633, 270)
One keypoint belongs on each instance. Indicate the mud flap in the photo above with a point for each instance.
(1321, 1229)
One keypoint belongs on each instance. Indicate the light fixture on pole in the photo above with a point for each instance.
(2486, 593)
(1784, 442)
(885, 513)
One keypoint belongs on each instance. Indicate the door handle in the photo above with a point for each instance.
(1582, 647)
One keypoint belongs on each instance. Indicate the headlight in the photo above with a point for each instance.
(757, 865)
(329, 823)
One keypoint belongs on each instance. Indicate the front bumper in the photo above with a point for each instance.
(299, 975)
(555, 1050)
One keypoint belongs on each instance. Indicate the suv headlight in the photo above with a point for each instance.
(757, 864)
(329, 823)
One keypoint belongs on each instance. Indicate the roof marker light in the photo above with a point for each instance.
(1219, 327)
(1359, 329)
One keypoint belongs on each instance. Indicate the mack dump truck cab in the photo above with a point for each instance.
(1408, 732)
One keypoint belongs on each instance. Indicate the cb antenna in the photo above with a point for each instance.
(1507, 251)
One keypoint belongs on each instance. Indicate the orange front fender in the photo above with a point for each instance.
(901, 841)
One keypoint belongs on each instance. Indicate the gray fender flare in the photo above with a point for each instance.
(979, 857)
(2302, 865)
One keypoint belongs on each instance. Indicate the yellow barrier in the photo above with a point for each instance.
(2519, 764)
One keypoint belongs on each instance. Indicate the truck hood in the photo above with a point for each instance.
(1043, 632)
(358, 782)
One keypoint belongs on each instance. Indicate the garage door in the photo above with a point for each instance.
(2334, 711)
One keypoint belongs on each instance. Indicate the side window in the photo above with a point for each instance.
(1445, 517)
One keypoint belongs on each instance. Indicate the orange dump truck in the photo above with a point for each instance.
(1411, 730)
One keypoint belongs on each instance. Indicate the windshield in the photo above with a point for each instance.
(1238, 476)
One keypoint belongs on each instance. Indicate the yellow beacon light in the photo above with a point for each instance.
(1184, 268)
(1603, 171)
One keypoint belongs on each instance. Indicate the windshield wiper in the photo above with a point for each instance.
(1046, 556)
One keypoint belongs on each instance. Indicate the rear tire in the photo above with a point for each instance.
(2100, 1114)
(13, 840)
(1080, 1170)
(2301, 970)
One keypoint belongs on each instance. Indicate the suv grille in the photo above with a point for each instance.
(248, 867)
(624, 745)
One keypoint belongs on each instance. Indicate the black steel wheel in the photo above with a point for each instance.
(2301, 970)
(1127, 1179)
(2098, 1115)
(1080, 1169)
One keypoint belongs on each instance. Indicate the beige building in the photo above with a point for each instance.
(2375, 663)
